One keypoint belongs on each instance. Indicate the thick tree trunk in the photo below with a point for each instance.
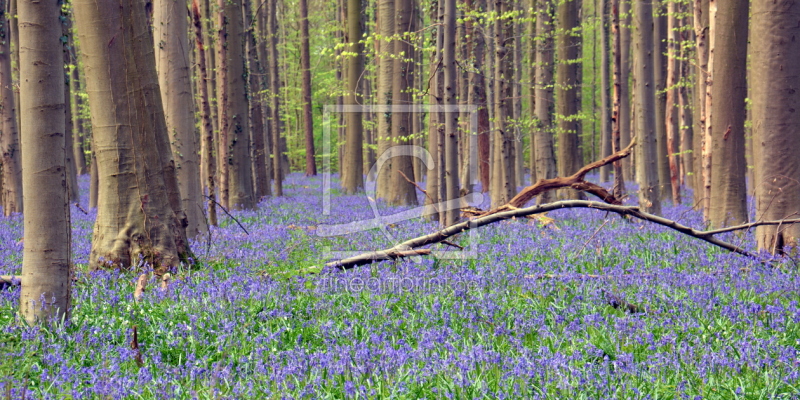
(707, 139)
(139, 209)
(660, 77)
(701, 22)
(223, 142)
(305, 65)
(776, 122)
(171, 33)
(545, 154)
(353, 163)
(728, 188)
(477, 97)
(567, 102)
(255, 100)
(9, 135)
(402, 192)
(47, 256)
(646, 159)
(207, 131)
(605, 85)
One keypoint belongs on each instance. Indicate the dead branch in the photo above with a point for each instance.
(632, 211)
(425, 192)
(9, 280)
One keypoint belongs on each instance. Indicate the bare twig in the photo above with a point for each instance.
(81, 208)
(229, 214)
(449, 243)
(419, 188)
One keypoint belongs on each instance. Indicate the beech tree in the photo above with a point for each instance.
(776, 122)
(47, 256)
(353, 162)
(305, 65)
(11, 195)
(567, 103)
(545, 155)
(138, 204)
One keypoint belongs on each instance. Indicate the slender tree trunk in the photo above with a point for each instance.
(72, 173)
(81, 166)
(451, 119)
(402, 192)
(170, 29)
(353, 176)
(139, 208)
(275, 88)
(776, 122)
(616, 114)
(263, 64)
(205, 116)
(605, 85)
(707, 139)
(223, 145)
(545, 153)
(672, 104)
(728, 187)
(305, 65)
(255, 101)
(94, 182)
(567, 102)
(646, 160)
(625, 105)
(687, 127)
(701, 22)
(47, 254)
(9, 135)
(385, 73)
(660, 77)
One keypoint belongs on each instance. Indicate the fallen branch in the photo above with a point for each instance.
(9, 280)
(633, 211)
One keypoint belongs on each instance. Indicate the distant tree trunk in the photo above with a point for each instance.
(402, 192)
(9, 136)
(255, 101)
(93, 182)
(207, 135)
(545, 154)
(385, 73)
(660, 77)
(567, 102)
(625, 109)
(223, 144)
(605, 84)
(476, 49)
(673, 122)
(451, 119)
(275, 88)
(353, 163)
(305, 65)
(139, 207)
(47, 255)
(776, 122)
(728, 187)
(171, 32)
(434, 177)
(646, 159)
(616, 115)
(707, 139)
(701, 22)
(687, 127)
(81, 166)
(263, 64)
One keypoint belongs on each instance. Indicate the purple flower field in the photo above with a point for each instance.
(591, 306)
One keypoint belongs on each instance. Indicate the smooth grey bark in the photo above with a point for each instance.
(402, 192)
(545, 153)
(567, 87)
(353, 163)
(451, 180)
(605, 86)
(11, 194)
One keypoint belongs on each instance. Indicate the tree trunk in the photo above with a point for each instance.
(81, 166)
(728, 188)
(72, 173)
(170, 29)
(625, 109)
(567, 102)
(205, 116)
(47, 255)
(402, 192)
(672, 116)
(9, 136)
(616, 115)
(305, 65)
(605, 85)
(385, 74)
(255, 101)
(776, 122)
(275, 87)
(660, 77)
(545, 155)
(707, 139)
(223, 145)
(701, 22)
(139, 209)
(353, 163)
(646, 159)
(451, 212)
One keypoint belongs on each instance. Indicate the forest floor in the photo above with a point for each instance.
(588, 306)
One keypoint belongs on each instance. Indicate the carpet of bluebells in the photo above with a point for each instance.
(533, 310)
